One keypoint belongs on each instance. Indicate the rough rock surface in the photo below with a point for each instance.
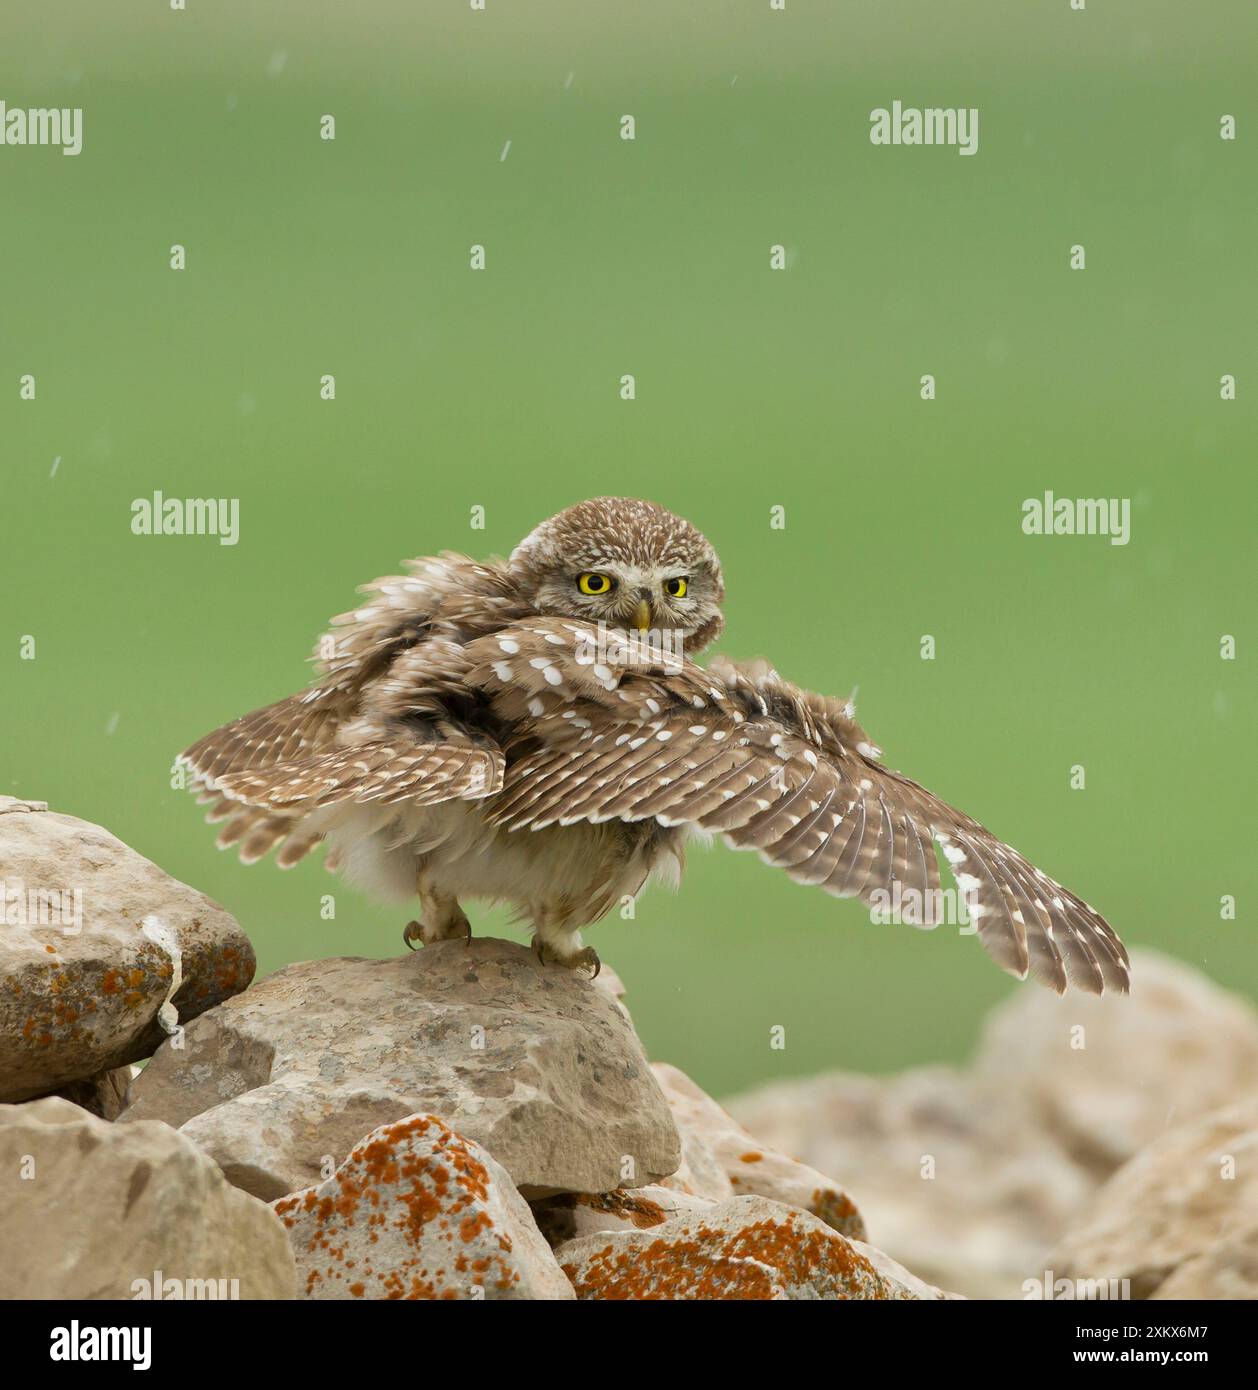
(955, 1179)
(104, 1095)
(91, 1207)
(573, 1214)
(970, 1177)
(746, 1248)
(1172, 1219)
(721, 1160)
(417, 1211)
(1109, 1075)
(1227, 1270)
(81, 994)
(536, 1064)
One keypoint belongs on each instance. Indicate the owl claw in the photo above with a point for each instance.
(587, 956)
(456, 928)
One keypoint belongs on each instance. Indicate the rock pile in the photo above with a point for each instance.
(465, 1123)
(970, 1176)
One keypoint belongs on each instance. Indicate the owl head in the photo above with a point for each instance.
(628, 564)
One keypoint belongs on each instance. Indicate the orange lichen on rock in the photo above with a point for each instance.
(748, 1248)
(414, 1212)
(641, 1211)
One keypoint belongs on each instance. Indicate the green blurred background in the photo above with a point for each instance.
(754, 389)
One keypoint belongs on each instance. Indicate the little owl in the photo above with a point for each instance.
(535, 731)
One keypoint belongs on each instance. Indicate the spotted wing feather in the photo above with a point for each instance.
(774, 769)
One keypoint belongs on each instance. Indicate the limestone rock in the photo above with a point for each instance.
(969, 1177)
(537, 1064)
(417, 1211)
(104, 1095)
(955, 1179)
(573, 1214)
(1108, 1075)
(1228, 1270)
(897, 1274)
(720, 1159)
(80, 993)
(91, 1209)
(746, 1248)
(1172, 1219)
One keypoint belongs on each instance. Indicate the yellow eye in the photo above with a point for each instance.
(675, 588)
(592, 583)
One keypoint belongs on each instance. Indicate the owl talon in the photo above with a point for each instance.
(453, 928)
(586, 956)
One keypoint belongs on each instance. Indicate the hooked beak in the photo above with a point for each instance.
(642, 616)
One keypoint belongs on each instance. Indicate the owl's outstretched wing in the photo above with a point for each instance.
(772, 768)
(266, 772)
(378, 726)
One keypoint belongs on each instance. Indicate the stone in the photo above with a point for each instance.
(745, 1248)
(1179, 1215)
(897, 1275)
(538, 1065)
(720, 1159)
(970, 1176)
(417, 1211)
(97, 1210)
(1109, 1075)
(955, 1179)
(1228, 1270)
(572, 1214)
(104, 1095)
(99, 944)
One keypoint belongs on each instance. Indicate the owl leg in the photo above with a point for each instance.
(556, 944)
(440, 918)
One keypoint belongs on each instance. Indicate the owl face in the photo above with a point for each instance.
(628, 564)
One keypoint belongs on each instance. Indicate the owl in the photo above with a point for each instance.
(537, 732)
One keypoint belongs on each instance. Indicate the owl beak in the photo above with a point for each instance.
(642, 616)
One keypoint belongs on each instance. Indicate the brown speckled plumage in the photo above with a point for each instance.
(479, 730)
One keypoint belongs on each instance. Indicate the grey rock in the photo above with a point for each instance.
(746, 1248)
(91, 989)
(1179, 1216)
(1109, 1075)
(720, 1159)
(572, 1214)
(538, 1065)
(98, 1210)
(955, 1179)
(418, 1212)
(104, 1095)
(969, 1177)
